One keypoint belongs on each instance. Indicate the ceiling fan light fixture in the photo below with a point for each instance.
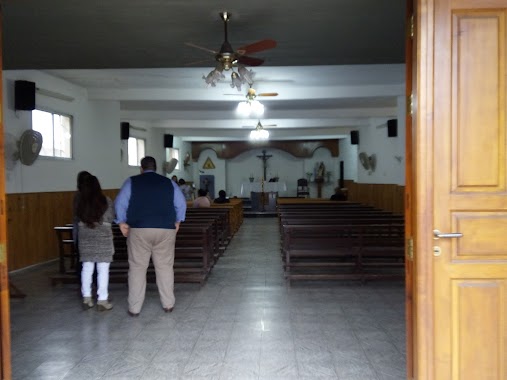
(250, 108)
(259, 134)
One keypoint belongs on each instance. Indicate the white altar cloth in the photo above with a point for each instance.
(256, 187)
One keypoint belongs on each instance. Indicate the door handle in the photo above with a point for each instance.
(437, 234)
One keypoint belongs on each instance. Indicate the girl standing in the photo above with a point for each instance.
(95, 213)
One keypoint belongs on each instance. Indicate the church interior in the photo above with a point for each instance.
(125, 79)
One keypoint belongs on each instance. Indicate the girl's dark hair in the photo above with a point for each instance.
(92, 203)
(81, 177)
(202, 192)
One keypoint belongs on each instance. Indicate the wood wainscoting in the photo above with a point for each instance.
(31, 217)
(30, 220)
(387, 197)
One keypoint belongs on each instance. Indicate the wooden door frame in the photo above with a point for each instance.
(410, 60)
(5, 325)
(421, 216)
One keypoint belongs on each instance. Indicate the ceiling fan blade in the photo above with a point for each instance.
(250, 61)
(197, 62)
(269, 125)
(257, 46)
(268, 94)
(200, 47)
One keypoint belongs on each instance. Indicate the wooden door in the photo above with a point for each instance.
(461, 186)
(5, 326)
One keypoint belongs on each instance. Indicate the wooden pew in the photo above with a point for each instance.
(323, 251)
(340, 240)
(194, 255)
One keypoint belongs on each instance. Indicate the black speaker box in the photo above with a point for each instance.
(392, 128)
(24, 95)
(354, 137)
(168, 141)
(125, 130)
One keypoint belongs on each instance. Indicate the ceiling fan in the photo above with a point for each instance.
(252, 94)
(259, 132)
(227, 57)
(259, 125)
(251, 106)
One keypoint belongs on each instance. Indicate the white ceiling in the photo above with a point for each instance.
(337, 64)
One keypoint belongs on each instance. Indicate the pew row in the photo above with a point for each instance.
(202, 238)
(343, 251)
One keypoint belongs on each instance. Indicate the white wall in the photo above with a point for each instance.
(230, 174)
(390, 151)
(96, 137)
(97, 147)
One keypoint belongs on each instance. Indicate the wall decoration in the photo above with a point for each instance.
(208, 164)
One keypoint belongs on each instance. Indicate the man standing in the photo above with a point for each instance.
(149, 209)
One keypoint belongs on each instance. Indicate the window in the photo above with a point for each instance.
(56, 133)
(135, 150)
(173, 153)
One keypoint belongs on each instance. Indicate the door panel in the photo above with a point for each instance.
(461, 144)
(477, 336)
(478, 91)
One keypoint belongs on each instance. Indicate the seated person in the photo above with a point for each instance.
(221, 197)
(187, 190)
(202, 200)
(339, 195)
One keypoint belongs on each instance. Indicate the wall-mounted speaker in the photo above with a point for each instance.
(125, 130)
(392, 128)
(354, 137)
(24, 95)
(168, 141)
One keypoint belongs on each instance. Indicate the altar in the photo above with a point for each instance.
(257, 187)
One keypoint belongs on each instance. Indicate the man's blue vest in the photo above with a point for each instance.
(151, 202)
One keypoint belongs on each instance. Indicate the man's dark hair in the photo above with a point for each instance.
(149, 163)
(222, 193)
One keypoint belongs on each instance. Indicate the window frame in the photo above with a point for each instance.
(143, 139)
(71, 131)
(169, 155)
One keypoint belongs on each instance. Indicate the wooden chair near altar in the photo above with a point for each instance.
(303, 191)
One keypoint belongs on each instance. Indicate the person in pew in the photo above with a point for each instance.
(222, 197)
(339, 195)
(149, 209)
(187, 190)
(202, 200)
(174, 179)
(75, 220)
(95, 213)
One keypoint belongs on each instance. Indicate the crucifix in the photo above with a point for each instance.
(265, 157)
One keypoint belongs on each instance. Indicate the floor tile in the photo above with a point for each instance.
(243, 323)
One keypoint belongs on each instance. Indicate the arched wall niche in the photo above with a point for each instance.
(299, 149)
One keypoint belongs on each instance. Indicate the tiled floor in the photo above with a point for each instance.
(243, 324)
